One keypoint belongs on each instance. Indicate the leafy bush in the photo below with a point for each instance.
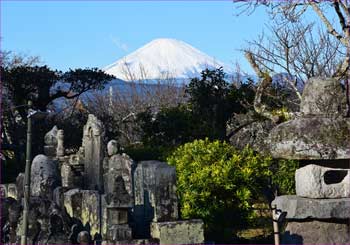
(219, 184)
(170, 127)
(283, 176)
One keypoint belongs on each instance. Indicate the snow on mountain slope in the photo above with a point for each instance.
(163, 58)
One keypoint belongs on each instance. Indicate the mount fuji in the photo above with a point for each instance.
(164, 58)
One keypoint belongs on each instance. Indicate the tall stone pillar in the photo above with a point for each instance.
(93, 154)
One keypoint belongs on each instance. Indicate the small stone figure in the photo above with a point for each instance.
(112, 147)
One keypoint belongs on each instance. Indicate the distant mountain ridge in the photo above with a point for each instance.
(164, 58)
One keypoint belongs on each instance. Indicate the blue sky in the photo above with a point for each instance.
(72, 34)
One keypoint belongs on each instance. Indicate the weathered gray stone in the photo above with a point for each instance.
(44, 177)
(12, 191)
(50, 140)
(8, 190)
(117, 216)
(311, 138)
(178, 232)
(84, 205)
(316, 232)
(132, 241)
(155, 195)
(60, 143)
(252, 134)
(112, 147)
(322, 96)
(10, 214)
(67, 176)
(319, 182)
(84, 237)
(93, 138)
(40, 211)
(155, 183)
(118, 165)
(300, 208)
(119, 233)
(58, 196)
(20, 185)
(72, 170)
(3, 191)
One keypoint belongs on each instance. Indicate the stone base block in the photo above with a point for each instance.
(119, 233)
(9, 190)
(178, 232)
(316, 232)
(300, 208)
(132, 241)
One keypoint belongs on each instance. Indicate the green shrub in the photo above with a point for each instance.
(283, 176)
(219, 184)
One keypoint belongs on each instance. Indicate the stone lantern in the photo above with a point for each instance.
(320, 138)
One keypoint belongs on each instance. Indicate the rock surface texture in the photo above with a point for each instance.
(178, 232)
(319, 182)
(311, 138)
(44, 177)
(321, 131)
(155, 194)
(93, 138)
(316, 232)
(305, 208)
(323, 96)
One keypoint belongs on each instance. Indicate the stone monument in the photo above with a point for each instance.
(96, 196)
(93, 143)
(320, 138)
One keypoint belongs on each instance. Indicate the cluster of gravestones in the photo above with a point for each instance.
(319, 137)
(96, 196)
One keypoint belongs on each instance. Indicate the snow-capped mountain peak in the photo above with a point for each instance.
(163, 58)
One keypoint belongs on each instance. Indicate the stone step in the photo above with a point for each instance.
(300, 208)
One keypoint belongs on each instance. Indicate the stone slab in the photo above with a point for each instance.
(179, 232)
(132, 241)
(316, 232)
(320, 182)
(155, 195)
(300, 208)
(85, 206)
